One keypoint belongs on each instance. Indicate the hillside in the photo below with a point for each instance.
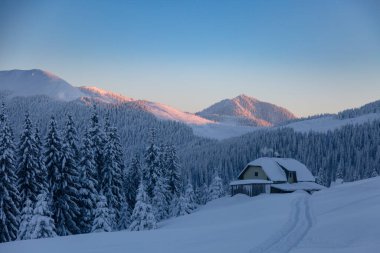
(245, 110)
(340, 219)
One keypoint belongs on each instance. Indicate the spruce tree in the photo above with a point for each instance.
(42, 176)
(202, 194)
(9, 195)
(111, 176)
(28, 169)
(142, 217)
(190, 196)
(172, 171)
(65, 195)
(98, 142)
(216, 189)
(25, 230)
(132, 181)
(151, 165)
(181, 206)
(125, 216)
(42, 223)
(374, 173)
(102, 221)
(87, 192)
(160, 202)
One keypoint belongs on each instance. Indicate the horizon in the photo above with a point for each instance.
(309, 58)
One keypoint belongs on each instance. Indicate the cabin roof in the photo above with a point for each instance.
(308, 186)
(272, 167)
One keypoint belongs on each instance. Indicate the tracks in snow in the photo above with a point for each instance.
(292, 233)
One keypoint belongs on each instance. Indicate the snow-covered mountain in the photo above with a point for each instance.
(37, 82)
(103, 95)
(245, 110)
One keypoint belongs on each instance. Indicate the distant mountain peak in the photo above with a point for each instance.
(246, 110)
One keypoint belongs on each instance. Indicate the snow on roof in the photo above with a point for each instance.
(272, 167)
(250, 181)
(302, 172)
(298, 186)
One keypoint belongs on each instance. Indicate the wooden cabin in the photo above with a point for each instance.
(274, 175)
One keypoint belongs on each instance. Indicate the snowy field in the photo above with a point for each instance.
(340, 219)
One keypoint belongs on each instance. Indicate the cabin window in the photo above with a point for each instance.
(256, 174)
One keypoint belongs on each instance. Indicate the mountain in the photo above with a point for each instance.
(245, 110)
(103, 95)
(37, 82)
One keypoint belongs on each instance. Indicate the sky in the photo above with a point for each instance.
(310, 57)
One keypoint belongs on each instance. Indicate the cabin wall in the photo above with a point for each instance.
(248, 189)
(252, 171)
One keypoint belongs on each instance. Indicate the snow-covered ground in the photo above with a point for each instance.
(339, 219)
(325, 124)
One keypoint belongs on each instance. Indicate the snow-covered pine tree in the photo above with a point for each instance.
(102, 221)
(181, 206)
(151, 165)
(25, 230)
(42, 176)
(125, 216)
(111, 176)
(53, 153)
(142, 217)
(322, 177)
(172, 171)
(339, 172)
(98, 141)
(216, 189)
(87, 193)
(28, 166)
(71, 138)
(160, 199)
(190, 196)
(65, 195)
(131, 181)
(202, 194)
(9, 195)
(42, 223)
(374, 173)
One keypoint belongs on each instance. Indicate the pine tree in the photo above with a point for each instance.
(322, 177)
(9, 195)
(216, 189)
(160, 202)
(190, 196)
(53, 153)
(173, 171)
(25, 230)
(131, 182)
(339, 172)
(125, 216)
(42, 176)
(374, 173)
(111, 176)
(98, 142)
(102, 221)
(65, 195)
(202, 194)
(151, 165)
(181, 206)
(87, 192)
(142, 217)
(42, 223)
(28, 169)
(71, 139)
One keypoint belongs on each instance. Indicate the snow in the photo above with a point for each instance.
(220, 131)
(302, 172)
(37, 82)
(270, 167)
(250, 181)
(307, 186)
(335, 220)
(330, 123)
(104, 96)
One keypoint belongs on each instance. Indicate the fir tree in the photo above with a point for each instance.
(131, 182)
(71, 139)
(339, 172)
(142, 217)
(102, 221)
(160, 202)
(125, 216)
(65, 195)
(151, 165)
(98, 142)
(172, 171)
(216, 189)
(28, 169)
(322, 177)
(25, 229)
(190, 196)
(42, 176)
(202, 194)
(181, 206)
(87, 192)
(374, 173)
(53, 153)
(111, 176)
(42, 223)
(9, 195)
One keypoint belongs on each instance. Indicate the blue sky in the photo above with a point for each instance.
(308, 56)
